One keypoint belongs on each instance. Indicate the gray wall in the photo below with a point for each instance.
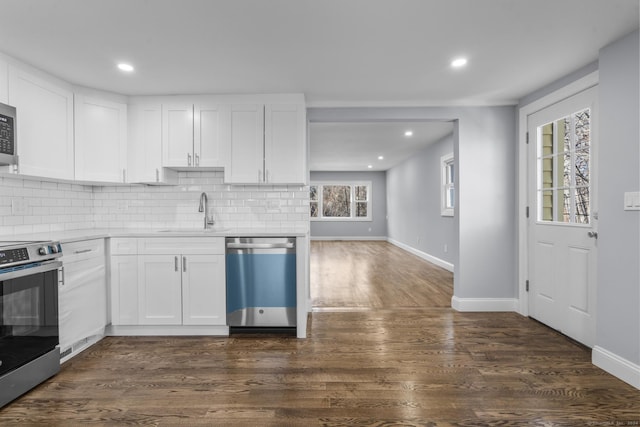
(485, 152)
(413, 194)
(618, 315)
(377, 228)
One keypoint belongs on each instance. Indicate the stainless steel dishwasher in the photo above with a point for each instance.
(261, 282)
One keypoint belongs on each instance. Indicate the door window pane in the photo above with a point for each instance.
(564, 168)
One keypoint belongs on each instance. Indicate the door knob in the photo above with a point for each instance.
(593, 234)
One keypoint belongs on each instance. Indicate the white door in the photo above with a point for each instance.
(563, 216)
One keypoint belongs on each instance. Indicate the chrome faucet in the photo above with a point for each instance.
(203, 208)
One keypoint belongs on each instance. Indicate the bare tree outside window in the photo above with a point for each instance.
(313, 203)
(564, 169)
(340, 201)
(336, 201)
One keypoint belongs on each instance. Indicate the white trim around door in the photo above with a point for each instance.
(577, 86)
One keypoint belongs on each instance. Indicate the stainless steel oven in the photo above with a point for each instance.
(29, 338)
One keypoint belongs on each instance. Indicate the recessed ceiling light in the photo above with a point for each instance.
(408, 133)
(459, 62)
(370, 166)
(125, 67)
(380, 157)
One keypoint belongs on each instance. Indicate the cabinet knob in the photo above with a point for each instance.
(197, 160)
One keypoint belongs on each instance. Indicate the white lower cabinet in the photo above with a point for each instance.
(203, 290)
(124, 290)
(155, 287)
(160, 290)
(82, 296)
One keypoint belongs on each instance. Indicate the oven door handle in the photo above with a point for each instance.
(27, 271)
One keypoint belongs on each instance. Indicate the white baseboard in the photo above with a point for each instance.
(484, 304)
(434, 260)
(349, 238)
(617, 366)
(168, 330)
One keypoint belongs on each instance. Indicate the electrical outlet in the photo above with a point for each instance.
(18, 206)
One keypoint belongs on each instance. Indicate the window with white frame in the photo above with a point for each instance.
(340, 201)
(448, 189)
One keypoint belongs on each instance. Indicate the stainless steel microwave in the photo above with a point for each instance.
(8, 148)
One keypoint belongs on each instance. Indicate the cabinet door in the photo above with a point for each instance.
(4, 81)
(246, 160)
(101, 139)
(285, 151)
(203, 290)
(177, 135)
(211, 123)
(82, 301)
(145, 145)
(124, 290)
(45, 125)
(160, 292)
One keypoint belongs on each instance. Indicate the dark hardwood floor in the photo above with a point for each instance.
(384, 349)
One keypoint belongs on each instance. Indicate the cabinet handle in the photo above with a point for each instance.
(157, 175)
(188, 159)
(82, 251)
(197, 158)
(175, 260)
(184, 263)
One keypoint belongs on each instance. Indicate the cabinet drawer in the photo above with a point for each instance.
(181, 245)
(124, 246)
(81, 250)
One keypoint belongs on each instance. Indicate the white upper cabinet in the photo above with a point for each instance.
(145, 145)
(285, 151)
(101, 139)
(4, 81)
(44, 110)
(246, 160)
(268, 144)
(211, 139)
(195, 135)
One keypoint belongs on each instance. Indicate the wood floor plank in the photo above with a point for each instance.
(384, 349)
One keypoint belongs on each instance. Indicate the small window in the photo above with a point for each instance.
(340, 201)
(448, 189)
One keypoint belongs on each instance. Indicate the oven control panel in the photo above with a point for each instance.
(13, 254)
(10, 256)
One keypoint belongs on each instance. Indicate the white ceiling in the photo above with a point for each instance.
(336, 52)
(360, 144)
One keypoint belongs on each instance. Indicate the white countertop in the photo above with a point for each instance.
(66, 236)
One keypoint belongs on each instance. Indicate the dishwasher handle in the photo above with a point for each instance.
(260, 245)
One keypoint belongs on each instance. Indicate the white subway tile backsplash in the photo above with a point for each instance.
(52, 206)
